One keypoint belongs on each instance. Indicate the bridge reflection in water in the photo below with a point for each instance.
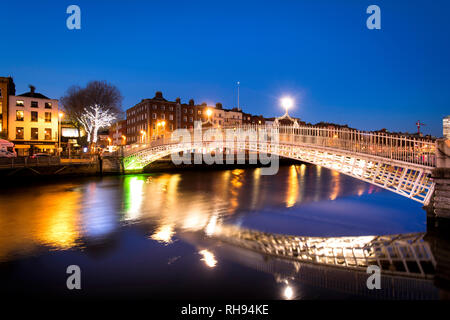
(336, 263)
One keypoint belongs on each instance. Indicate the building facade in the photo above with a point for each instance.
(33, 123)
(7, 88)
(157, 117)
(117, 133)
(446, 127)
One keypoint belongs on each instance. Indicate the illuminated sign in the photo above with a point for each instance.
(69, 132)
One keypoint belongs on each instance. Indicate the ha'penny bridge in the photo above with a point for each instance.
(400, 164)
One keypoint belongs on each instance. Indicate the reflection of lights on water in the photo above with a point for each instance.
(208, 258)
(134, 199)
(288, 293)
(164, 234)
(336, 185)
(292, 192)
(211, 227)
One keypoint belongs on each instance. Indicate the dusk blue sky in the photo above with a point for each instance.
(318, 51)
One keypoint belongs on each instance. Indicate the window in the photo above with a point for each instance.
(34, 116)
(171, 127)
(154, 107)
(184, 118)
(190, 119)
(163, 108)
(34, 134)
(48, 117)
(154, 116)
(163, 116)
(184, 110)
(19, 103)
(48, 105)
(0, 92)
(19, 115)
(170, 116)
(170, 108)
(48, 134)
(190, 111)
(19, 132)
(34, 104)
(199, 111)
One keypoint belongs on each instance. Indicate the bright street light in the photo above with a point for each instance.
(287, 103)
(209, 112)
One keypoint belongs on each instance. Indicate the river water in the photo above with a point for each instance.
(143, 235)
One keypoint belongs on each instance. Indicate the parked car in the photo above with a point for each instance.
(7, 149)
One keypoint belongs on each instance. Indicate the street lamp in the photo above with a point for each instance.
(287, 103)
(208, 114)
(60, 115)
(142, 136)
(124, 139)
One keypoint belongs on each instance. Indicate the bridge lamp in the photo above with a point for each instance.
(287, 103)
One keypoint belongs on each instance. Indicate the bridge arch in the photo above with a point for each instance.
(394, 163)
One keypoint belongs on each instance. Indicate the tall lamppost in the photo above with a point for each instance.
(286, 103)
(142, 136)
(60, 115)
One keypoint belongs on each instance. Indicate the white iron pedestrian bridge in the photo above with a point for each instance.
(397, 163)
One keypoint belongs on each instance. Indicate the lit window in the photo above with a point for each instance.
(34, 104)
(184, 118)
(34, 134)
(48, 117)
(19, 115)
(170, 116)
(163, 116)
(19, 132)
(34, 116)
(154, 116)
(190, 119)
(19, 103)
(48, 105)
(48, 134)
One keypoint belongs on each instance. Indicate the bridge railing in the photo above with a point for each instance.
(419, 151)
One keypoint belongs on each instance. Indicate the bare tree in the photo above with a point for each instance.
(98, 99)
(94, 118)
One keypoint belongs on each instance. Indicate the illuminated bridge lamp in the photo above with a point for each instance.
(287, 103)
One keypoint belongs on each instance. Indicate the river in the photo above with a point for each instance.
(143, 235)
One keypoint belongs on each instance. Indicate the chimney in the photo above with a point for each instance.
(178, 100)
(158, 95)
(191, 102)
(218, 105)
(32, 88)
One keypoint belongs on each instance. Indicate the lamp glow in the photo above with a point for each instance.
(287, 103)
